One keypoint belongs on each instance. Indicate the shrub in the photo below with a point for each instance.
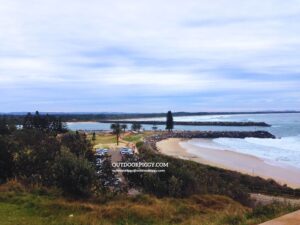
(78, 145)
(233, 220)
(6, 160)
(74, 175)
(139, 144)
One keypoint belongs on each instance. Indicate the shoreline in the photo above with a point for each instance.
(229, 160)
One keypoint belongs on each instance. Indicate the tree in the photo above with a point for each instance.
(4, 128)
(169, 122)
(27, 122)
(37, 120)
(58, 125)
(45, 123)
(94, 136)
(124, 127)
(117, 130)
(136, 126)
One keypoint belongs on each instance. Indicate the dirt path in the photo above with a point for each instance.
(115, 155)
(289, 219)
(267, 199)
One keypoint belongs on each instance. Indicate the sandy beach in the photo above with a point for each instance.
(231, 160)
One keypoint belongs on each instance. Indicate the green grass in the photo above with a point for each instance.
(42, 211)
(133, 138)
(35, 207)
(103, 139)
(33, 210)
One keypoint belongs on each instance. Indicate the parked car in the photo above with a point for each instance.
(117, 181)
(101, 152)
(99, 161)
(126, 151)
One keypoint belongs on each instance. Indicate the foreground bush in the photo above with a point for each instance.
(6, 160)
(44, 154)
(74, 175)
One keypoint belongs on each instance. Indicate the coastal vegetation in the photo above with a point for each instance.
(49, 175)
(43, 153)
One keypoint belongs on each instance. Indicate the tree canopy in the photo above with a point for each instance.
(170, 121)
(136, 126)
(46, 123)
(117, 130)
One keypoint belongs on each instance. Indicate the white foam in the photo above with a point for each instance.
(281, 152)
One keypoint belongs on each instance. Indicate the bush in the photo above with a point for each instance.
(78, 145)
(139, 144)
(233, 220)
(266, 212)
(74, 175)
(34, 155)
(6, 160)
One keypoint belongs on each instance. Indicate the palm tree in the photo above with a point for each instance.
(94, 136)
(124, 127)
(136, 126)
(117, 130)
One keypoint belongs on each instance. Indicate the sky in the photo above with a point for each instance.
(149, 56)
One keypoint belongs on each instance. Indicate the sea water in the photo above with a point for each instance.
(284, 150)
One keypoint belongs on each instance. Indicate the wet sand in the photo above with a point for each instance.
(230, 160)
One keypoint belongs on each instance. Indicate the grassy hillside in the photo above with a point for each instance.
(38, 206)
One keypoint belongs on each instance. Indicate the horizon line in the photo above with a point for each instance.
(174, 112)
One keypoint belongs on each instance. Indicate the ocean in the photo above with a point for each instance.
(284, 150)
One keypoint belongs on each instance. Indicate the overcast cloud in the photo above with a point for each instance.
(141, 56)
